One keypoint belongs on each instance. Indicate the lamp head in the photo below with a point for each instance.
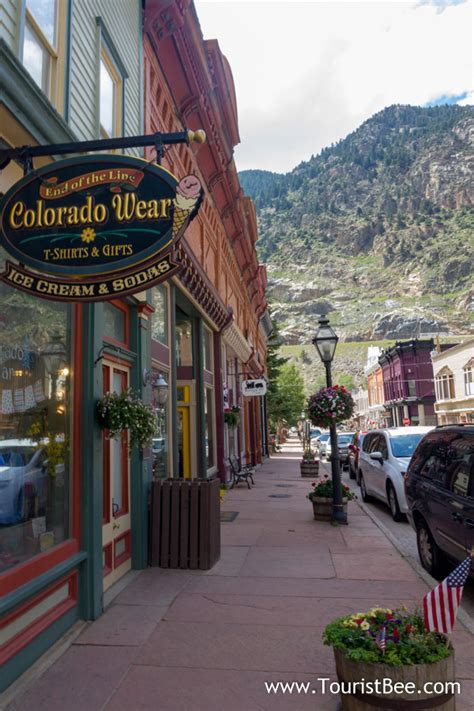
(161, 387)
(325, 340)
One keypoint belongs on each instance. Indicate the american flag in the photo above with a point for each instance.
(441, 604)
(380, 639)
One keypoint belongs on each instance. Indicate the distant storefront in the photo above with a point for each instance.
(454, 383)
(408, 383)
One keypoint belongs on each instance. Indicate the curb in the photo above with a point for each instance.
(462, 616)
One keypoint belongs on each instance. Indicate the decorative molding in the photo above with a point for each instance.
(197, 283)
(234, 338)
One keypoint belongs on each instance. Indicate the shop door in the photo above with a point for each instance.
(116, 533)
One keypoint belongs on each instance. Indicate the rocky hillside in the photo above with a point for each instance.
(377, 230)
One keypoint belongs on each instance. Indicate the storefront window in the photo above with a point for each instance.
(209, 421)
(184, 343)
(35, 398)
(159, 320)
(115, 323)
(159, 446)
(207, 349)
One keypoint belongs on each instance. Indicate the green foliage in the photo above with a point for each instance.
(324, 490)
(285, 398)
(231, 418)
(407, 640)
(125, 411)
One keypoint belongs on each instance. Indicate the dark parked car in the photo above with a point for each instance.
(440, 493)
(353, 453)
(343, 441)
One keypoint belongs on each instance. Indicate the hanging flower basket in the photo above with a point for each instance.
(330, 405)
(231, 417)
(118, 412)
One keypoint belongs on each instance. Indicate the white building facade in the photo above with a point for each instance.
(454, 383)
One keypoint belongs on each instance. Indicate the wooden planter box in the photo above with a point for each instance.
(309, 469)
(417, 674)
(185, 523)
(322, 508)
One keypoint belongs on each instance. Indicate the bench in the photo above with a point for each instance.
(240, 473)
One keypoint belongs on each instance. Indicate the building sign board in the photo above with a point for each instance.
(253, 388)
(94, 228)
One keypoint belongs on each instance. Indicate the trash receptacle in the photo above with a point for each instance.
(185, 523)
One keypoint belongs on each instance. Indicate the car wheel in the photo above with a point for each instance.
(393, 503)
(363, 490)
(352, 474)
(431, 556)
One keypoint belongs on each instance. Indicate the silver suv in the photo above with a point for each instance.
(383, 462)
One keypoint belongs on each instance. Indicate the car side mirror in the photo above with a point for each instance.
(377, 457)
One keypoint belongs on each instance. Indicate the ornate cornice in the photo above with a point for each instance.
(234, 338)
(192, 277)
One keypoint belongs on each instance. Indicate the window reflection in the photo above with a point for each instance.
(159, 447)
(35, 395)
(159, 319)
(107, 100)
(209, 422)
(184, 343)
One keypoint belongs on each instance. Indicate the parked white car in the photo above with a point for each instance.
(320, 443)
(23, 477)
(383, 462)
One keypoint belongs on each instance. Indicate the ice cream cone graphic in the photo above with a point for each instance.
(187, 196)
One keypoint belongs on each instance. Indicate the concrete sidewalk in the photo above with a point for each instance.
(202, 641)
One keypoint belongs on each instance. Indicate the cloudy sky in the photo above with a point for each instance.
(308, 73)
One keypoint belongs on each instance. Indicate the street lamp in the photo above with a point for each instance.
(161, 387)
(325, 342)
(54, 356)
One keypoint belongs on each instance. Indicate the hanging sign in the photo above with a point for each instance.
(253, 388)
(94, 228)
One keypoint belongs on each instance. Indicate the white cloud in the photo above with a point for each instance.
(307, 73)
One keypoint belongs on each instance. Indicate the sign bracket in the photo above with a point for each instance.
(24, 154)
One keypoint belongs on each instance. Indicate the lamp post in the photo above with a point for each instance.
(54, 356)
(325, 342)
(161, 390)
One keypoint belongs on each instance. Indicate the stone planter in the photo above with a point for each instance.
(309, 469)
(322, 508)
(418, 674)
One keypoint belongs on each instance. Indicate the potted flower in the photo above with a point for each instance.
(321, 498)
(395, 646)
(330, 405)
(120, 412)
(309, 465)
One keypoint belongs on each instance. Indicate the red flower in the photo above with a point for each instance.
(395, 635)
(389, 617)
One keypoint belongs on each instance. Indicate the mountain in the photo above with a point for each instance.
(377, 230)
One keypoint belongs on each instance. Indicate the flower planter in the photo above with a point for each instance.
(322, 508)
(309, 469)
(417, 674)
